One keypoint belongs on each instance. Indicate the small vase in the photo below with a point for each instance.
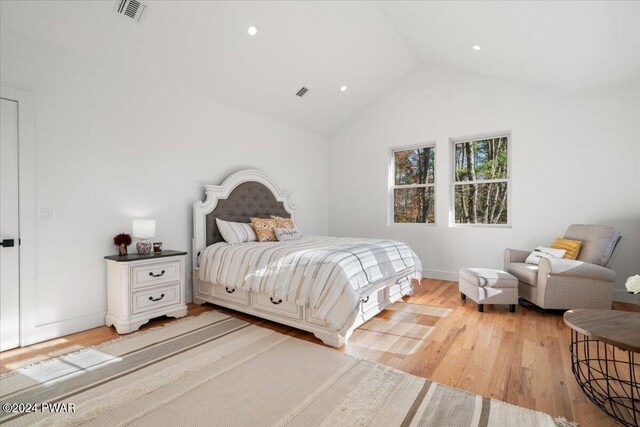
(122, 249)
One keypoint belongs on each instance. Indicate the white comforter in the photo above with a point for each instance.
(327, 274)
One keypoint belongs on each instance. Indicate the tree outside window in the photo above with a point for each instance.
(413, 188)
(481, 181)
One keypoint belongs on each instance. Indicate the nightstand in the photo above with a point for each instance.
(141, 287)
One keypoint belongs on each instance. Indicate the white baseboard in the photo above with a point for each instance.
(66, 327)
(440, 275)
(624, 296)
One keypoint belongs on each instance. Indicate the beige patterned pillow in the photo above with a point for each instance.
(264, 229)
(283, 222)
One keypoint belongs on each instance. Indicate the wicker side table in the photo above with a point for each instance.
(605, 358)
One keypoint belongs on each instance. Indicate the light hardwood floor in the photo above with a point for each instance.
(521, 358)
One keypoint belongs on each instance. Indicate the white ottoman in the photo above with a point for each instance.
(488, 286)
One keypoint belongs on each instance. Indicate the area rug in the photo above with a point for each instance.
(217, 370)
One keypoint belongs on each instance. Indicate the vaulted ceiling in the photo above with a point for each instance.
(568, 44)
(366, 46)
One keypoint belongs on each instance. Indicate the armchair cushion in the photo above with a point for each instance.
(527, 273)
(598, 242)
(574, 268)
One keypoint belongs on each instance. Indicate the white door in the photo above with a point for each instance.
(9, 251)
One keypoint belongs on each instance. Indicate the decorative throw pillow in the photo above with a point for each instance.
(284, 234)
(264, 229)
(544, 252)
(283, 222)
(571, 246)
(236, 232)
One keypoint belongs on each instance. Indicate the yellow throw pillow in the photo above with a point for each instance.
(264, 229)
(571, 246)
(283, 222)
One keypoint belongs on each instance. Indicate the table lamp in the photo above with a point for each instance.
(144, 229)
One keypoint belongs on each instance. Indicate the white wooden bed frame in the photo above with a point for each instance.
(260, 305)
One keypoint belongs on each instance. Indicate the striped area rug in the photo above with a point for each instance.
(216, 370)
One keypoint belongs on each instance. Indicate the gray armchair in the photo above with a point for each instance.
(558, 283)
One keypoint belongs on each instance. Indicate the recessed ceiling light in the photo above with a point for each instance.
(252, 31)
(476, 47)
(343, 88)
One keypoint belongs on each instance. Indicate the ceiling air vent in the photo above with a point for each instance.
(302, 92)
(130, 9)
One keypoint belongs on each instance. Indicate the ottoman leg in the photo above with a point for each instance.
(480, 308)
(512, 308)
(463, 296)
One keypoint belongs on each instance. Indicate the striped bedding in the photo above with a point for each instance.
(327, 274)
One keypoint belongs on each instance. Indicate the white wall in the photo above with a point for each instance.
(117, 138)
(575, 160)
(116, 141)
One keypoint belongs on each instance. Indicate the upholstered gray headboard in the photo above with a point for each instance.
(243, 194)
(249, 199)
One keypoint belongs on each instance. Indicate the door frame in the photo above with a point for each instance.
(27, 211)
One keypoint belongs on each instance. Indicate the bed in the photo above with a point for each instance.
(325, 285)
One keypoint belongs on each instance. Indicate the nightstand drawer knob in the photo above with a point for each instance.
(365, 300)
(156, 299)
(156, 275)
(229, 291)
(274, 302)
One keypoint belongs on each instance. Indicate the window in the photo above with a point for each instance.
(481, 180)
(413, 185)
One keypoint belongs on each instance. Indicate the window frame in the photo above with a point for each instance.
(392, 185)
(454, 183)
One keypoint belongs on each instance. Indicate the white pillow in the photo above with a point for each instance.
(236, 232)
(284, 234)
(544, 252)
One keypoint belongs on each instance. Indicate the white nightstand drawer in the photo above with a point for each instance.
(275, 305)
(156, 298)
(141, 287)
(155, 274)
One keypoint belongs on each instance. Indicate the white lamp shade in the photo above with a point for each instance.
(144, 228)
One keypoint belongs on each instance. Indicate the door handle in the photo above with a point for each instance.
(8, 243)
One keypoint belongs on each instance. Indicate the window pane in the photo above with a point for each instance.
(413, 205)
(481, 203)
(481, 159)
(414, 166)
